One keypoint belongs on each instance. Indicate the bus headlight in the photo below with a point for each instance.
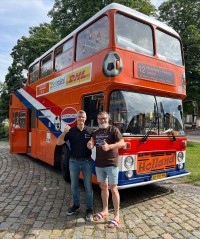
(180, 156)
(128, 162)
(180, 166)
(129, 173)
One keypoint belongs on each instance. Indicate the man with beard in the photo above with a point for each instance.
(107, 140)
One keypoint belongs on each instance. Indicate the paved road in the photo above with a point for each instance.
(33, 200)
(194, 136)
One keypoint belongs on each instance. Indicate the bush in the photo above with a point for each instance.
(4, 130)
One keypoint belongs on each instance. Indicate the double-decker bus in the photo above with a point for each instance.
(120, 61)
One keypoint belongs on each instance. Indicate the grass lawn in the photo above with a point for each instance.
(192, 163)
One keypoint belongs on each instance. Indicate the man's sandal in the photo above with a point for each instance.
(113, 224)
(98, 216)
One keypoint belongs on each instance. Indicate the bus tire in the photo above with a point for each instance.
(65, 163)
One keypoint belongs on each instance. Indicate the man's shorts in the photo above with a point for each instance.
(109, 174)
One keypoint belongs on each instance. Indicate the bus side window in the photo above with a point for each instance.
(139, 39)
(92, 105)
(93, 39)
(19, 119)
(64, 55)
(46, 66)
(33, 72)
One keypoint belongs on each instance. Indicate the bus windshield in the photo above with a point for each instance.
(136, 114)
(168, 48)
(138, 37)
(134, 35)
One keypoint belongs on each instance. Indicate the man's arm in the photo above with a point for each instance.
(118, 145)
(60, 140)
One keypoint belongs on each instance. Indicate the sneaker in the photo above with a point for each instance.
(72, 210)
(89, 215)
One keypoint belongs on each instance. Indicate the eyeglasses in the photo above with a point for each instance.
(102, 118)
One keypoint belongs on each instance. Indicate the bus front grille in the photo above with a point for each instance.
(152, 162)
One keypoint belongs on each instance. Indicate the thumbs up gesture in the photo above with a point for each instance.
(90, 143)
(105, 146)
(67, 128)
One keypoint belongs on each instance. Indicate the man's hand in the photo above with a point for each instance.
(105, 146)
(60, 140)
(90, 143)
(67, 128)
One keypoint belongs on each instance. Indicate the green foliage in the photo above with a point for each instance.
(4, 102)
(193, 163)
(68, 15)
(4, 129)
(183, 16)
(41, 39)
(4, 99)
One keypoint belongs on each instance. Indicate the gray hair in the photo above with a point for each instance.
(81, 112)
(103, 113)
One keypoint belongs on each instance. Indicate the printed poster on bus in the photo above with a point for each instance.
(67, 80)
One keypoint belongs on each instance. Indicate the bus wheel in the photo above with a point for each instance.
(65, 163)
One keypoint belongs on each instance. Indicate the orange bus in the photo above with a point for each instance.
(120, 61)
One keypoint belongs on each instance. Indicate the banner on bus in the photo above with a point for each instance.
(67, 80)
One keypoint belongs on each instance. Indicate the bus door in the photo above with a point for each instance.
(18, 131)
(32, 132)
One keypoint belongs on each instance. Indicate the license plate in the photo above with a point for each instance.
(158, 176)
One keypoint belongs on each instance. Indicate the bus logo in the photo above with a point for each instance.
(79, 76)
(68, 115)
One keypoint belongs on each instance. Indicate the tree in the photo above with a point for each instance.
(41, 39)
(183, 16)
(3, 101)
(68, 15)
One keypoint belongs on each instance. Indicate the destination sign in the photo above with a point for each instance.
(154, 73)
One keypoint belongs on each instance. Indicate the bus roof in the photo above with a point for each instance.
(114, 6)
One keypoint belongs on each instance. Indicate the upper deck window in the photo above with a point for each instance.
(64, 55)
(46, 66)
(133, 35)
(93, 39)
(168, 48)
(34, 73)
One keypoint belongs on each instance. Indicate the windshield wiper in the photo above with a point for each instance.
(153, 123)
(172, 133)
(163, 113)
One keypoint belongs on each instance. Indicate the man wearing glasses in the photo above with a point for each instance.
(107, 140)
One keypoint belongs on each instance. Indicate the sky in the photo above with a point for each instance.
(16, 16)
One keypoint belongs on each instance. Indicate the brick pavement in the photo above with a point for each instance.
(33, 199)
